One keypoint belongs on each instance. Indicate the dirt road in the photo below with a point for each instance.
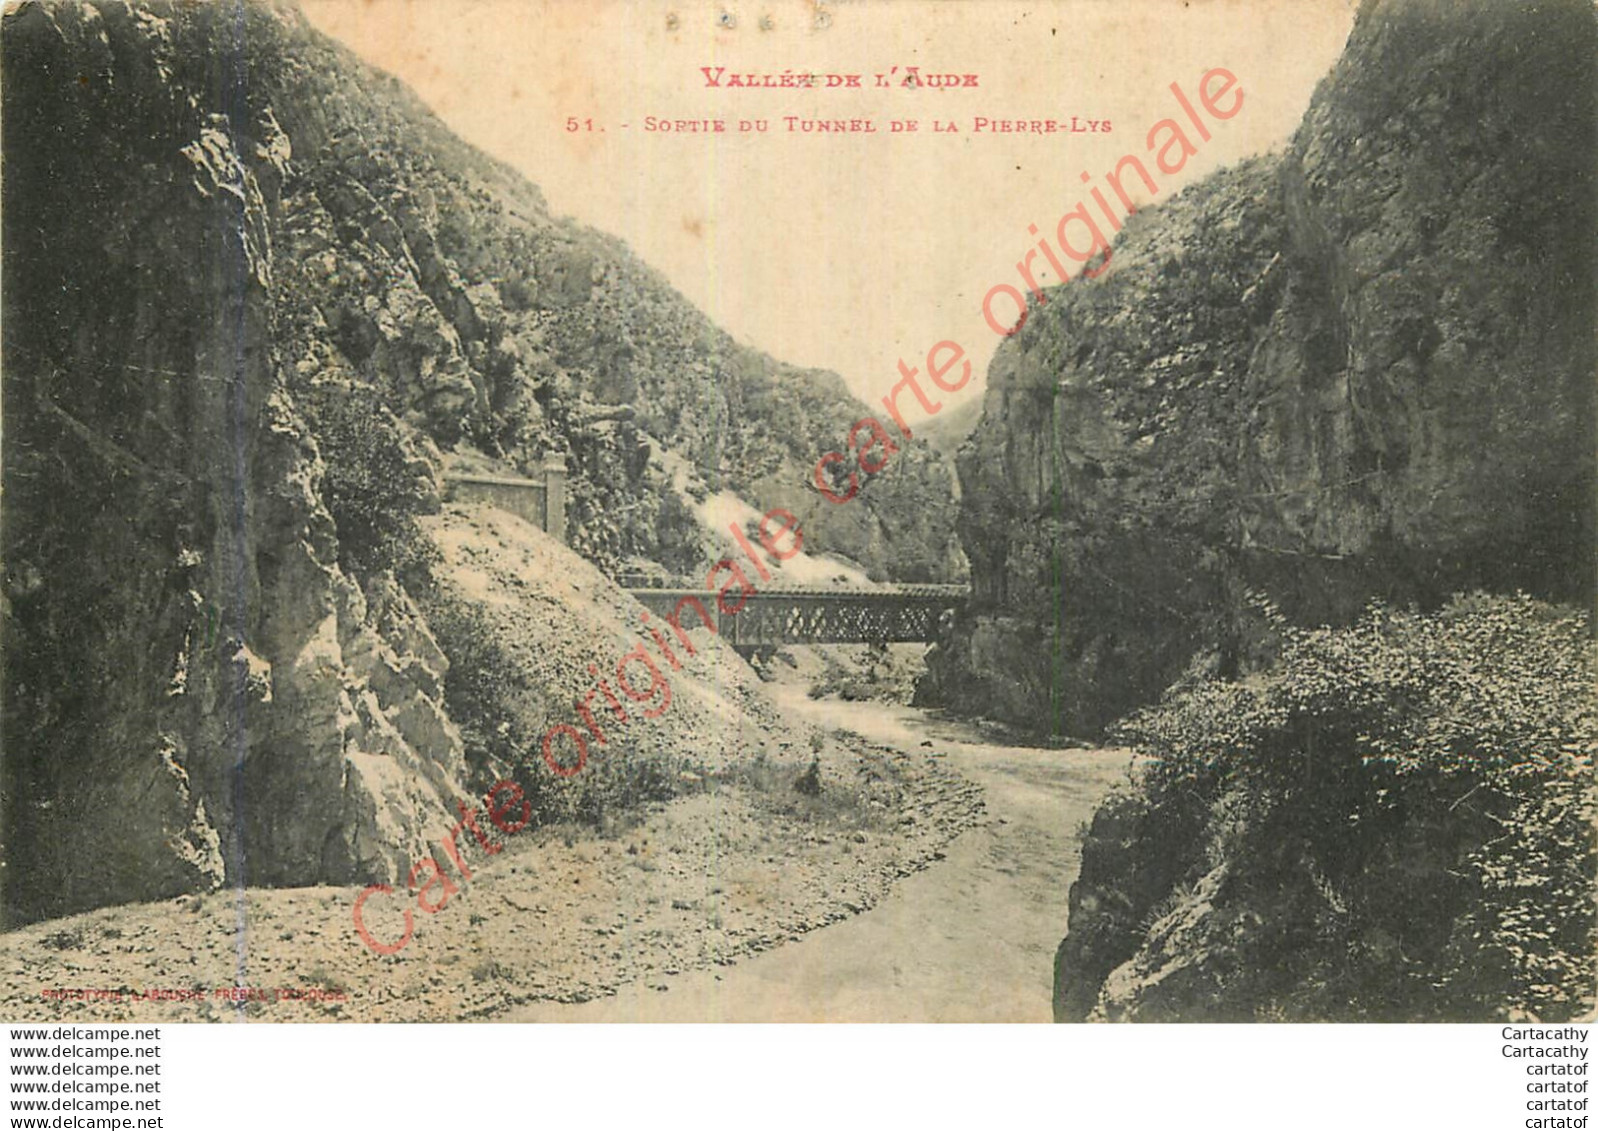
(971, 938)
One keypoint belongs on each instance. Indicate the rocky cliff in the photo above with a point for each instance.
(253, 295)
(1363, 367)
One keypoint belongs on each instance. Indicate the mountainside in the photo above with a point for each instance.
(254, 293)
(1393, 823)
(1363, 368)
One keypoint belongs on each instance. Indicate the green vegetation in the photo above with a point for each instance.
(373, 484)
(1394, 823)
(503, 715)
(491, 699)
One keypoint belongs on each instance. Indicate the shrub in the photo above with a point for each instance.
(502, 717)
(617, 781)
(371, 483)
(489, 697)
(1406, 804)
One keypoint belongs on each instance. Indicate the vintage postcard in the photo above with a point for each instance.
(808, 510)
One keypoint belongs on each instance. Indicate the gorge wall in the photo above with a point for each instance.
(1361, 368)
(253, 294)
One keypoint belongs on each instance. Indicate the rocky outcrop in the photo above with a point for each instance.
(253, 292)
(195, 692)
(1361, 368)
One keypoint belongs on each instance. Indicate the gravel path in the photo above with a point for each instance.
(734, 867)
(971, 938)
(709, 907)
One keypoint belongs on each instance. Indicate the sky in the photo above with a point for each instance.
(845, 251)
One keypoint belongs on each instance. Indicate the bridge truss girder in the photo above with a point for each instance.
(769, 619)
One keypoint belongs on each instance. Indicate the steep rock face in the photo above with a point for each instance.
(253, 291)
(196, 693)
(1362, 368)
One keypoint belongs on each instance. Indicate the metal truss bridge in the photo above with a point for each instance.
(771, 618)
